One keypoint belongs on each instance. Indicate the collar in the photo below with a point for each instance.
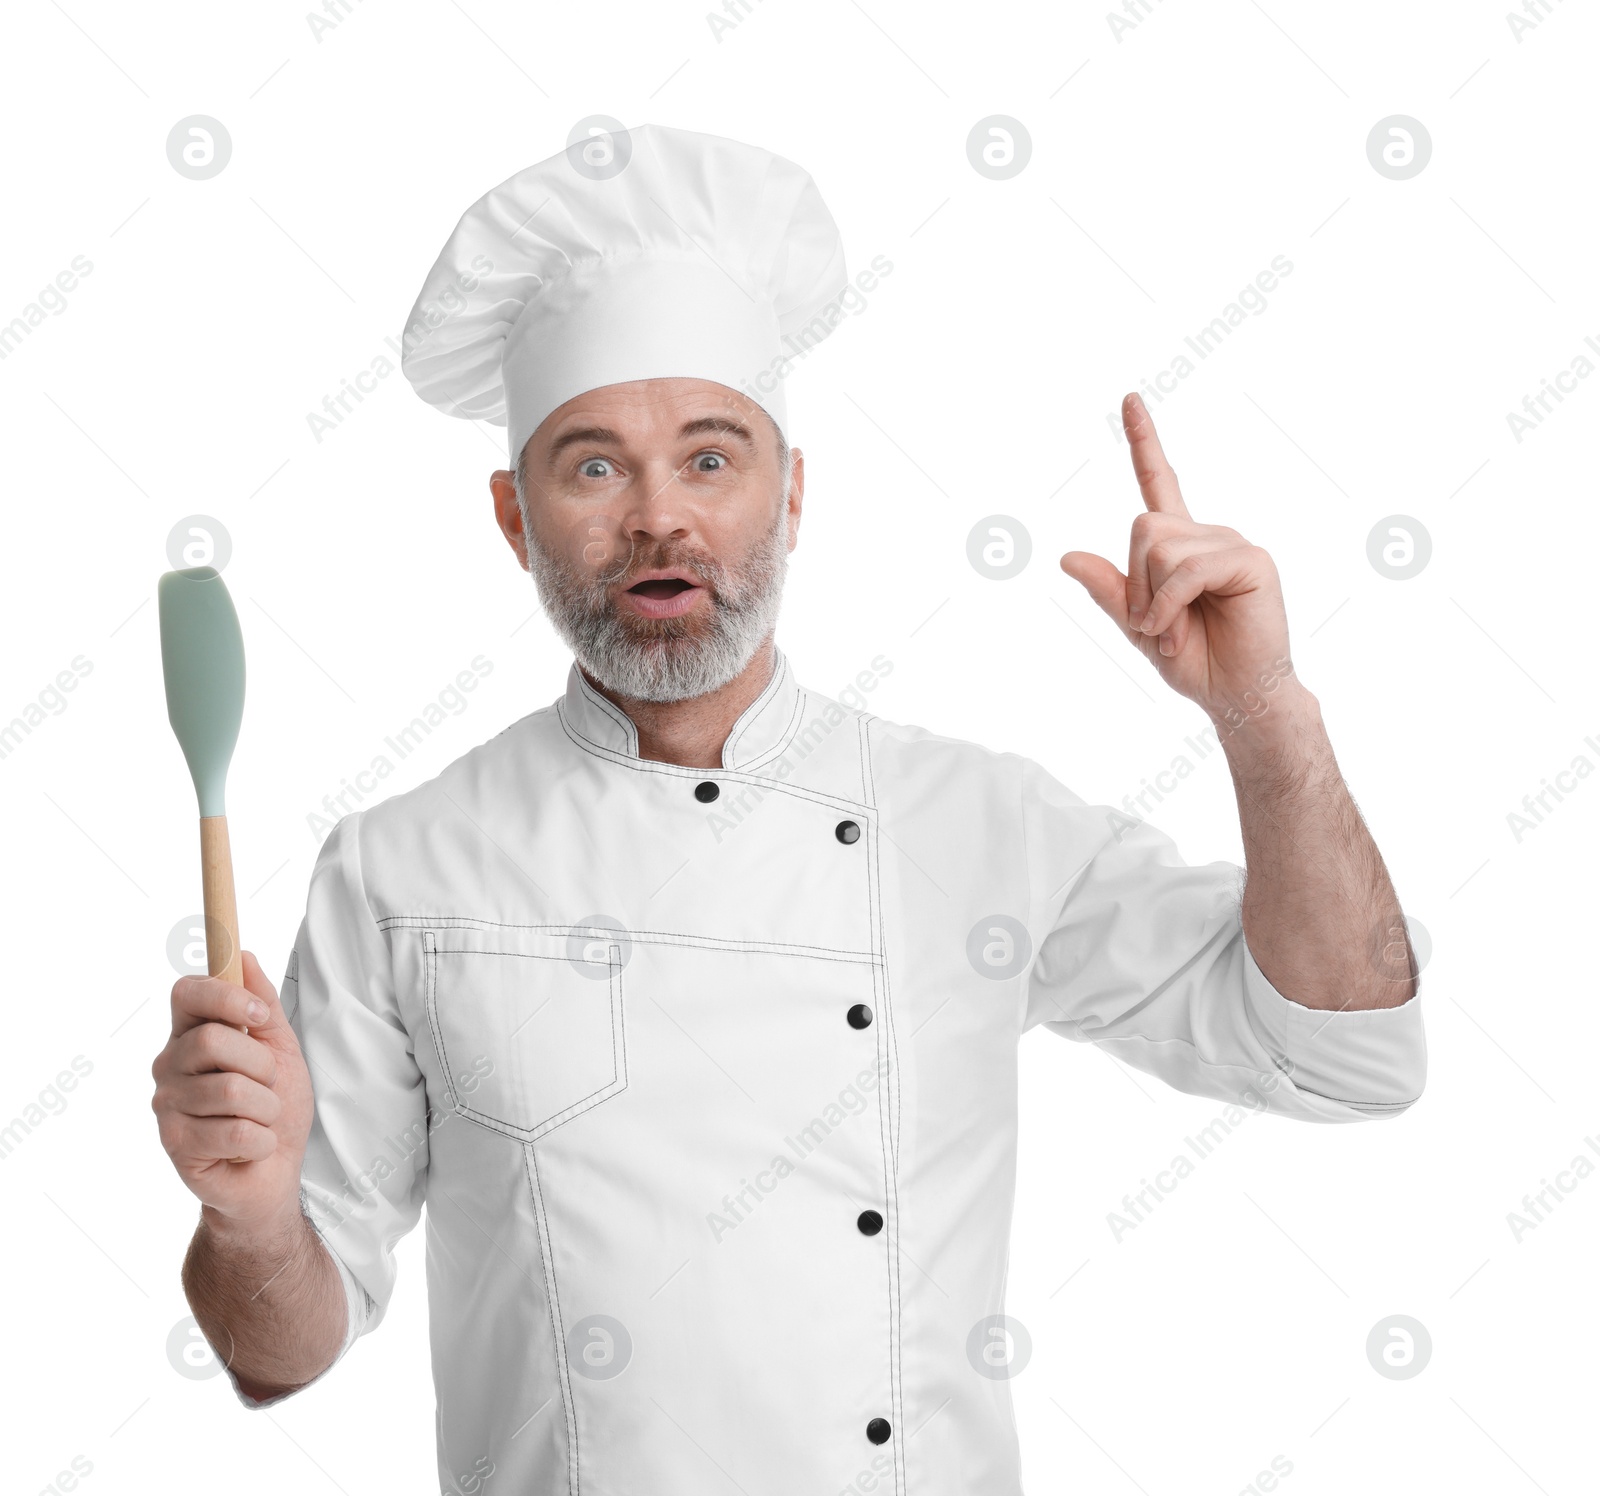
(762, 732)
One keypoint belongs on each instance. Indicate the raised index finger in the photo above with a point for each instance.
(1157, 482)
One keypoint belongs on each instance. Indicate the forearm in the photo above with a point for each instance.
(270, 1300)
(1320, 914)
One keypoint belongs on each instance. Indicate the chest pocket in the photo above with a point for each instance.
(528, 1025)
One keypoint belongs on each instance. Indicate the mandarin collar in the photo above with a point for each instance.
(761, 733)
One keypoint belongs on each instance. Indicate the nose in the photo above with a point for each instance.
(654, 504)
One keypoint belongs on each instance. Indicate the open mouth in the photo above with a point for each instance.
(660, 587)
(662, 594)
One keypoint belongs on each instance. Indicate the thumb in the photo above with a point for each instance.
(255, 979)
(1102, 581)
(256, 983)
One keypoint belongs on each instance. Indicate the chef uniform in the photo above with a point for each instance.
(709, 1077)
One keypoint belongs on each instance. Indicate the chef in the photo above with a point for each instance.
(689, 1004)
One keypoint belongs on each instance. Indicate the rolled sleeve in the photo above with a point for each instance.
(358, 1307)
(366, 1164)
(364, 1177)
(1373, 1060)
(1145, 956)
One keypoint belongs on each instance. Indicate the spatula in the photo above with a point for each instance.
(202, 659)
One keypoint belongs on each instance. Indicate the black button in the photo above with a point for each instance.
(705, 792)
(847, 832)
(869, 1223)
(878, 1430)
(859, 1016)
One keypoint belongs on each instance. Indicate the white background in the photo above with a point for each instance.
(1168, 168)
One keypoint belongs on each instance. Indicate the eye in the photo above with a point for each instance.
(715, 458)
(587, 468)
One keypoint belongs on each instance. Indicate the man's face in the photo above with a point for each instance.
(654, 522)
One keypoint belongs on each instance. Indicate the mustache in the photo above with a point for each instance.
(696, 564)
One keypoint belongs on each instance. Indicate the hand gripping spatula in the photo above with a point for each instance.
(202, 658)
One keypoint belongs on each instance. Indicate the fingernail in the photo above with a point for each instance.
(255, 1010)
(1134, 615)
(1166, 644)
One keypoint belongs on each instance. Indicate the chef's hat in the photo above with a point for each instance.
(639, 254)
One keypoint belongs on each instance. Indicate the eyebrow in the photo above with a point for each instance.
(602, 435)
(720, 425)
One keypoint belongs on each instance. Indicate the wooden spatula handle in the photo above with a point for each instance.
(222, 915)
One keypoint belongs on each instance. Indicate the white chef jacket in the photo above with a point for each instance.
(713, 1101)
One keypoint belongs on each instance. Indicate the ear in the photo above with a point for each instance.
(797, 492)
(508, 513)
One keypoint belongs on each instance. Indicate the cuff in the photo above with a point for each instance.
(1372, 1061)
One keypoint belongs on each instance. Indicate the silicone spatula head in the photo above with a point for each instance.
(202, 659)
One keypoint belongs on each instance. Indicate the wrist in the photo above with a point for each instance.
(276, 1227)
(1278, 724)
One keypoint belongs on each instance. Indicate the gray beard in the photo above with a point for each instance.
(665, 659)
